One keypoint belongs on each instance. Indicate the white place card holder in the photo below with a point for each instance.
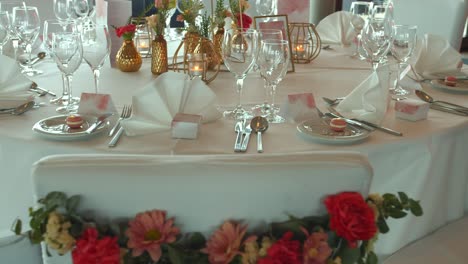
(411, 109)
(185, 126)
(299, 107)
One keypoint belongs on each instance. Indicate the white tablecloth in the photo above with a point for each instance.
(428, 163)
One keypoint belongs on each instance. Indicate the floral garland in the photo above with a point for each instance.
(345, 235)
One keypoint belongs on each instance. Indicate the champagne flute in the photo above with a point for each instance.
(266, 34)
(67, 53)
(361, 11)
(26, 23)
(404, 42)
(96, 47)
(239, 50)
(273, 60)
(52, 26)
(4, 29)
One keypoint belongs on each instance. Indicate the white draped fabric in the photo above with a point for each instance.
(428, 162)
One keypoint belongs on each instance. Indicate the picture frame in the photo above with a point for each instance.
(276, 22)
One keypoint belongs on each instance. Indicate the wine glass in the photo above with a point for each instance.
(265, 7)
(67, 53)
(4, 29)
(376, 40)
(27, 24)
(239, 50)
(96, 47)
(7, 6)
(52, 26)
(404, 41)
(63, 10)
(80, 10)
(170, 13)
(273, 60)
(266, 34)
(361, 11)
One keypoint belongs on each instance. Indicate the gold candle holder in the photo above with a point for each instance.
(305, 42)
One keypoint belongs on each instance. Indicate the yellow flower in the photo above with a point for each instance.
(152, 20)
(244, 4)
(251, 253)
(266, 244)
(56, 235)
(375, 209)
(376, 198)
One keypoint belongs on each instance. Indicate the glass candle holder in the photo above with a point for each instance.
(197, 65)
(143, 41)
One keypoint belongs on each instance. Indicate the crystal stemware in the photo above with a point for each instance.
(96, 47)
(239, 50)
(4, 29)
(8, 6)
(273, 60)
(55, 26)
(27, 24)
(63, 10)
(67, 53)
(404, 41)
(361, 11)
(376, 40)
(265, 7)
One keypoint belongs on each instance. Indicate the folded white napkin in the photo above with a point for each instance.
(434, 57)
(13, 84)
(336, 28)
(368, 101)
(171, 93)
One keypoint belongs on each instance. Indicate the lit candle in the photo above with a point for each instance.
(196, 70)
(300, 51)
(144, 44)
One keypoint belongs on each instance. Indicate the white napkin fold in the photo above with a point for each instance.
(13, 84)
(336, 28)
(368, 101)
(157, 103)
(435, 57)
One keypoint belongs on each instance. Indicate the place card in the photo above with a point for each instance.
(185, 126)
(411, 109)
(96, 104)
(299, 107)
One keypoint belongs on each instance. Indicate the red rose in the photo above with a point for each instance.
(284, 251)
(246, 21)
(125, 29)
(91, 250)
(351, 217)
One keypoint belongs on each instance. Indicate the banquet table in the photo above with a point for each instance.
(428, 162)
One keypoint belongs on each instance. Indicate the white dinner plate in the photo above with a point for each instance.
(319, 131)
(461, 87)
(56, 128)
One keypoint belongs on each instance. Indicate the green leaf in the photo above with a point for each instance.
(382, 225)
(236, 260)
(372, 258)
(403, 197)
(72, 203)
(415, 208)
(17, 226)
(395, 213)
(175, 255)
(196, 241)
(349, 255)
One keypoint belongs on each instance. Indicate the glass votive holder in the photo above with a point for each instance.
(197, 65)
(143, 40)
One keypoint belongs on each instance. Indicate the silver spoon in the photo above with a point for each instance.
(259, 125)
(19, 109)
(427, 98)
(41, 55)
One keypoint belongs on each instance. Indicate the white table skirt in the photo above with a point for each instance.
(428, 163)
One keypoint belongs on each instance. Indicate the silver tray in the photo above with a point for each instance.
(56, 128)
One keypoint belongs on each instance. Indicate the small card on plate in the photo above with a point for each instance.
(299, 107)
(185, 126)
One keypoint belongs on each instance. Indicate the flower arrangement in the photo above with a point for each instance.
(127, 31)
(158, 21)
(240, 19)
(220, 14)
(346, 234)
(190, 11)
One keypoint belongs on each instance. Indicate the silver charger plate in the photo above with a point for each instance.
(461, 87)
(319, 131)
(56, 128)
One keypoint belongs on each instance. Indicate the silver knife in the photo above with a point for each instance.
(382, 128)
(448, 110)
(116, 138)
(98, 122)
(336, 114)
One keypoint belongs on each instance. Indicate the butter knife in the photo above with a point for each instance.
(335, 114)
(448, 110)
(98, 122)
(382, 128)
(116, 138)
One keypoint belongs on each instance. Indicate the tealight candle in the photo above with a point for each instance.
(196, 70)
(196, 65)
(300, 50)
(143, 44)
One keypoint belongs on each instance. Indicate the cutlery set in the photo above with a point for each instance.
(126, 113)
(244, 128)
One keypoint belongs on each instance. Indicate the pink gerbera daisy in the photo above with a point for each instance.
(148, 231)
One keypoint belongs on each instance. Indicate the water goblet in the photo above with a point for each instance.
(4, 29)
(27, 24)
(239, 50)
(56, 26)
(273, 60)
(7, 6)
(361, 11)
(376, 40)
(67, 52)
(63, 10)
(96, 47)
(404, 41)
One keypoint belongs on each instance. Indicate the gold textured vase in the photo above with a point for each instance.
(128, 59)
(159, 55)
(218, 42)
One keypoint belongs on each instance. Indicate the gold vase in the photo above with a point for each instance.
(128, 59)
(159, 55)
(191, 41)
(218, 42)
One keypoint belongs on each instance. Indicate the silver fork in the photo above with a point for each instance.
(119, 133)
(122, 116)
